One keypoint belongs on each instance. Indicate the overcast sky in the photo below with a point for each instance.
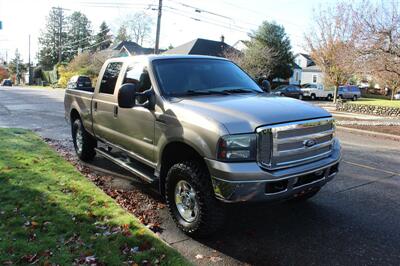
(180, 21)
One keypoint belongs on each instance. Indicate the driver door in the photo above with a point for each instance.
(136, 125)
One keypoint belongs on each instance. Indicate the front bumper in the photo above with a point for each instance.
(248, 182)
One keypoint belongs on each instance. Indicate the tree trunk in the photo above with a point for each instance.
(335, 94)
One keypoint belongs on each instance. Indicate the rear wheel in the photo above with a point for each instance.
(300, 97)
(191, 201)
(355, 98)
(329, 97)
(84, 143)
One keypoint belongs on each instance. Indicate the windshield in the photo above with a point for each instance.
(180, 77)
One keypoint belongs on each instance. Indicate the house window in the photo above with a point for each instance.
(314, 78)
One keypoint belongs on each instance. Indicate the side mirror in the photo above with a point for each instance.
(127, 95)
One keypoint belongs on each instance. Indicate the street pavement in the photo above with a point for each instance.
(354, 220)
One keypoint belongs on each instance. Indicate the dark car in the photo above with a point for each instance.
(6, 82)
(83, 83)
(349, 92)
(289, 91)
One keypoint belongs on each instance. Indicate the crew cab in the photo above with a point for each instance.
(201, 130)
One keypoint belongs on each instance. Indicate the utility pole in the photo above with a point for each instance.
(17, 59)
(156, 49)
(29, 63)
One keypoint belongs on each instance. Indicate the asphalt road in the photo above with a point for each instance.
(354, 220)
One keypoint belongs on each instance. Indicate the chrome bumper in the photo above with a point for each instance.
(247, 182)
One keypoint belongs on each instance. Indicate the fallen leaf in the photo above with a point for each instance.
(199, 257)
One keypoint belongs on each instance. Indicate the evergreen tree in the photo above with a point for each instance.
(103, 38)
(49, 40)
(272, 37)
(79, 34)
(17, 67)
(122, 35)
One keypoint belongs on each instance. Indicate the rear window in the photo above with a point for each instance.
(110, 77)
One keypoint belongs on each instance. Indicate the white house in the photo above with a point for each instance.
(305, 71)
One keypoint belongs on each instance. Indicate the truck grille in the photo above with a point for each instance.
(291, 144)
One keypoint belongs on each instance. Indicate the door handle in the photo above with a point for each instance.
(115, 111)
(95, 106)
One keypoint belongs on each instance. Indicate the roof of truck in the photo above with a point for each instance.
(163, 56)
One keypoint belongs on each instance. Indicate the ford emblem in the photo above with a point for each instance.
(309, 143)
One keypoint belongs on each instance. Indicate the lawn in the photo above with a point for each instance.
(51, 214)
(379, 102)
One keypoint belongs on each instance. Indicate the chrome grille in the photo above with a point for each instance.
(291, 144)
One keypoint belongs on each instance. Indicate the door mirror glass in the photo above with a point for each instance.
(127, 95)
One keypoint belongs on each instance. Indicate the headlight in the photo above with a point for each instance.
(237, 148)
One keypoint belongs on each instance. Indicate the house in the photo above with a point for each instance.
(305, 71)
(128, 48)
(203, 47)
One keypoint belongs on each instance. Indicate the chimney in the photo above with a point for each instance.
(222, 38)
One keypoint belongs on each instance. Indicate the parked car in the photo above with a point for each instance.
(316, 91)
(397, 96)
(80, 83)
(349, 92)
(201, 130)
(6, 82)
(289, 91)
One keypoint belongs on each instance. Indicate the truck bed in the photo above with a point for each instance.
(81, 101)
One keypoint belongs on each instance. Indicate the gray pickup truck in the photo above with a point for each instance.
(202, 131)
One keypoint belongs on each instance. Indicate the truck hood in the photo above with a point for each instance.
(242, 113)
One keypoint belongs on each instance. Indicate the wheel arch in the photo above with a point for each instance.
(172, 153)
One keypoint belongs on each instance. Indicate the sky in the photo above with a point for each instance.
(180, 21)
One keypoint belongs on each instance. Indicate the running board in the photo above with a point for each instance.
(134, 167)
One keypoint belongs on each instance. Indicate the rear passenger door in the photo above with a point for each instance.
(104, 104)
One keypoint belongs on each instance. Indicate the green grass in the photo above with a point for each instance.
(379, 102)
(51, 213)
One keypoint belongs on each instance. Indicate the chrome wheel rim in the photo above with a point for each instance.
(186, 202)
(79, 139)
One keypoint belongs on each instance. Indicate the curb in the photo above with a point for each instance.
(367, 132)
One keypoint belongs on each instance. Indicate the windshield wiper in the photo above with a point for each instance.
(204, 92)
(240, 91)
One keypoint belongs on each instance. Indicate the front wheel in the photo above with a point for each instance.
(329, 97)
(313, 97)
(84, 143)
(300, 97)
(191, 201)
(355, 98)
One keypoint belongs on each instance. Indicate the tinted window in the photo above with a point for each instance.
(178, 76)
(138, 74)
(110, 78)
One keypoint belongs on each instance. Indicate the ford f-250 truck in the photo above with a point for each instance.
(204, 133)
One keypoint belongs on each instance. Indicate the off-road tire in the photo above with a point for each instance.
(305, 196)
(211, 212)
(89, 143)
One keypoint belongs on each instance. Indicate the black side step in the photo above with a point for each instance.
(142, 171)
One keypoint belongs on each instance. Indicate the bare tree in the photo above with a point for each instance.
(139, 26)
(331, 43)
(257, 60)
(378, 41)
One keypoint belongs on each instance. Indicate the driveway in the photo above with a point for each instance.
(355, 220)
